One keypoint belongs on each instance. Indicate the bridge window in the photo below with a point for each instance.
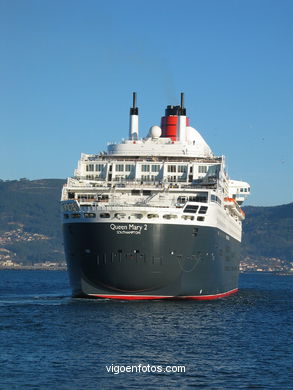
(99, 167)
(103, 198)
(171, 168)
(190, 209)
(145, 168)
(182, 199)
(182, 168)
(201, 197)
(215, 198)
(203, 210)
(128, 167)
(119, 167)
(147, 192)
(145, 177)
(155, 168)
(202, 169)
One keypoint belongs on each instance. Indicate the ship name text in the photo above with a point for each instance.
(129, 228)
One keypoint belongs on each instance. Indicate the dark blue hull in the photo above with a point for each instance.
(150, 261)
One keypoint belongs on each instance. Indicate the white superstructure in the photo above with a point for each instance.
(162, 178)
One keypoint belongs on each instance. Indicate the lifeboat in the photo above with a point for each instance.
(234, 207)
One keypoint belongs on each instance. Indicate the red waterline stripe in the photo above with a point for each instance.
(144, 297)
(207, 297)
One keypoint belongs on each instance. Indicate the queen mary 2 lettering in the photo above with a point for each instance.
(128, 229)
(154, 217)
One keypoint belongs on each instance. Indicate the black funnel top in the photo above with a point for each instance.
(176, 110)
(134, 109)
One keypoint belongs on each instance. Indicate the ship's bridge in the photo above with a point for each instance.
(238, 190)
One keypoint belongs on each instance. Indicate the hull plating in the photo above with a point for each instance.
(150, 261)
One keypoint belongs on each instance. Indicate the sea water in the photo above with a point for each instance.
(50, 341)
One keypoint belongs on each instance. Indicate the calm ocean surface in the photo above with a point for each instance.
(50, 341)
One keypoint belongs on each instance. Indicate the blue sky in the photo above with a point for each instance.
(68, 69)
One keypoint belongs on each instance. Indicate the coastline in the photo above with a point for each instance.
(39, 267)
(63, 267)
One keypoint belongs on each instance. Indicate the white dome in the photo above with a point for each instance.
(155, 132)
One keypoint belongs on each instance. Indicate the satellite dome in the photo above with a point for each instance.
(155, 132)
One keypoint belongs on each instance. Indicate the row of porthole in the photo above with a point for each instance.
(138, 216)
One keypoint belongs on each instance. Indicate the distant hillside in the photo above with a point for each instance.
(29, 207)
(268, 231)
(30, 224)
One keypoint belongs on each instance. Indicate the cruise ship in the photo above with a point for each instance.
(154, 217)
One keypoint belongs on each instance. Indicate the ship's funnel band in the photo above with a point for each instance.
(134, 111)
(169, 125)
